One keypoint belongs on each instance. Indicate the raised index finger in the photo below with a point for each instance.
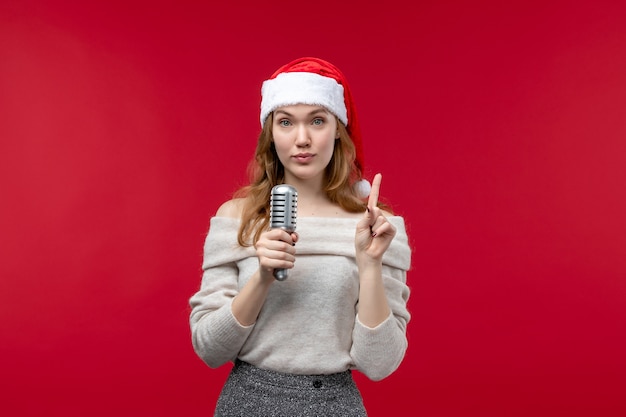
(372, 202)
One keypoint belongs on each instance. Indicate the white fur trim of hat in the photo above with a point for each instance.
(290, 88)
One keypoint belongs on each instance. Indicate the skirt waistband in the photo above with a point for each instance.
(286, 380)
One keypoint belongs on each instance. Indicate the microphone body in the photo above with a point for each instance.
(283, 213)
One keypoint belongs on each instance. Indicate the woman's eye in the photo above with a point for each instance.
(284, 122)
(318, 121)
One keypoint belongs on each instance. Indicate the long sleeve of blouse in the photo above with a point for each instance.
(309, 323)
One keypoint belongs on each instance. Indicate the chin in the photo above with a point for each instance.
(305, 175)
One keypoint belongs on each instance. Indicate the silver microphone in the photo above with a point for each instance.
(283, 211)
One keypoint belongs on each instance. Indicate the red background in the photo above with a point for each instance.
(500, 128)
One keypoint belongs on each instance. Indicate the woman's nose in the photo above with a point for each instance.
(302, 136)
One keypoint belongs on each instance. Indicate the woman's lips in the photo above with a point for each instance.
(303, 157)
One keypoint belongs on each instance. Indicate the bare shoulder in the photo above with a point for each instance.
(231, 208)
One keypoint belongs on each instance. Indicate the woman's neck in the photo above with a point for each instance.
(313, 200)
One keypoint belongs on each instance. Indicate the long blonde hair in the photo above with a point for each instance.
(266, 171)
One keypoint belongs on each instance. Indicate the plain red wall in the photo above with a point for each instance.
(500, 128)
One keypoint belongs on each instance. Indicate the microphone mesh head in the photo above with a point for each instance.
(283, 207)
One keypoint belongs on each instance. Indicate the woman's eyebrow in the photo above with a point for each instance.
(311, 113)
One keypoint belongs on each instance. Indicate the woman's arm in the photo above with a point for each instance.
(275, 249)
(373, 237)
(379, 336)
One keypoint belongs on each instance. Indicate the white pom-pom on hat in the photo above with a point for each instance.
(362, 188)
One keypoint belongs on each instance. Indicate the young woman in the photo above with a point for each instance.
(294, 343)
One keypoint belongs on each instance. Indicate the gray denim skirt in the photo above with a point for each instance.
(250, 391)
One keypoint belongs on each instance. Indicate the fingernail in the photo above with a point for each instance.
(373, 234)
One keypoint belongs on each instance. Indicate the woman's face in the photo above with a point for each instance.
(304, 138)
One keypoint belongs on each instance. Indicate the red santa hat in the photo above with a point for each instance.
(317, 82)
